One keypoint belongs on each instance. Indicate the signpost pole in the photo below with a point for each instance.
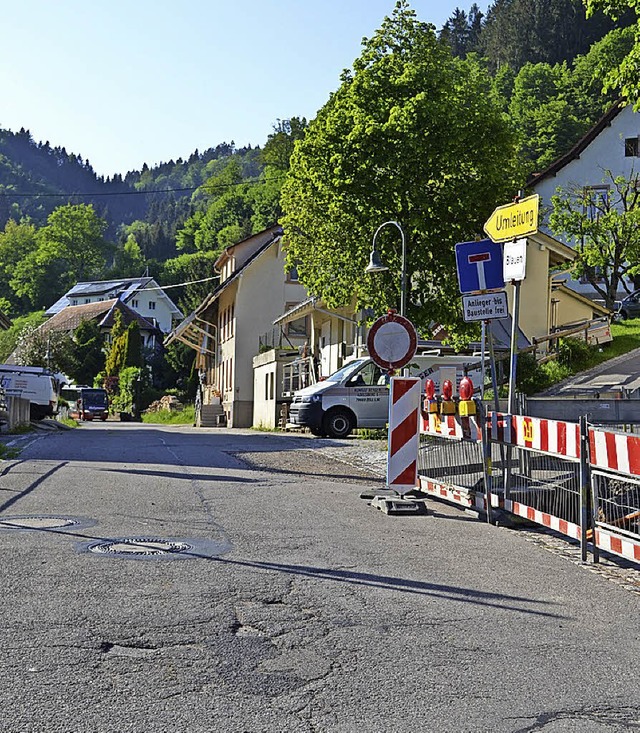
(483, 347)
(512, 378)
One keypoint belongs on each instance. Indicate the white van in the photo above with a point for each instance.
(357, 396)
(36, 384)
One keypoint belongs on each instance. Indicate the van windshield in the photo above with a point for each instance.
(346, 371)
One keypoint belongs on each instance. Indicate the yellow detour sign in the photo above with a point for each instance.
(513, 221)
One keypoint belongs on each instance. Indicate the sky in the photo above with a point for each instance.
(128, 82)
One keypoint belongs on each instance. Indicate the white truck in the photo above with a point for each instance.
(357, 396)
(38, 385)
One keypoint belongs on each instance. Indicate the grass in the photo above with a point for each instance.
(7, 453)
(68, 421)
(187, 416)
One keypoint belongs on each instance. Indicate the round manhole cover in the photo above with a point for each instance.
(44, 521)
(156, 547)
(139, 546)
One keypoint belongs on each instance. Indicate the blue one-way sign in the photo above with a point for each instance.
(479, 266)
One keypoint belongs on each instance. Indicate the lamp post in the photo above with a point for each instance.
(376, 264)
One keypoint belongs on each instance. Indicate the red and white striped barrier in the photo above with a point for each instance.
(546, 436)
(450, 426)
(615, 451)
(404, 433)
(618, 544)
(545, 519)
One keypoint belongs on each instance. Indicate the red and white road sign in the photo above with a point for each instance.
(392, 341)
(404, 433)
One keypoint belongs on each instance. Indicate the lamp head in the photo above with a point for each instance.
(375, 263)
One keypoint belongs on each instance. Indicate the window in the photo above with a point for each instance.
(631, 147)
(134, 303)
(74, 302)
(152, 305)
(87, 300)
(292, 275)
(596, 201)
(298, 328)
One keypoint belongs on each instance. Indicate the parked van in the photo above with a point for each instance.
(36, 384)
(357, 396)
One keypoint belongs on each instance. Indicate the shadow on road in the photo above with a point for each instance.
(19, 495)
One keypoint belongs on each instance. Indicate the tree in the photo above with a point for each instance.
(116, 355)
(624, 76)
(89, 352)
(604, 223)
(70, 248)
(412, 135)
(45, 348)
(17, 241)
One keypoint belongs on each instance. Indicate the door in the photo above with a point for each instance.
(369, 396)
(325, 349)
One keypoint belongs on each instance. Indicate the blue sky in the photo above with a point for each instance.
(126, 82)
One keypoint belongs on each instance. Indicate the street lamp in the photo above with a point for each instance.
(376, 265)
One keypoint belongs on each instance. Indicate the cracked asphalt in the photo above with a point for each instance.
(299, 607)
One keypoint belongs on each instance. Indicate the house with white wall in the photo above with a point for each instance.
(142, 294)
(234, 322)
(610, 148)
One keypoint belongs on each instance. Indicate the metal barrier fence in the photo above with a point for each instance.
(579, 481)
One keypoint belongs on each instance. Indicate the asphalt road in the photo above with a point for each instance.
(288, 603)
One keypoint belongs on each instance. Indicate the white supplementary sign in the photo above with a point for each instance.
(485, 307)
(514, 260)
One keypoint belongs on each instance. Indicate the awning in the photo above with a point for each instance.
(193, 332)
(298, 311)
(306, 308)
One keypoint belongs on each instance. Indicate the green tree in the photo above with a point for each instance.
(546, 121)
(133, 354)
(89, 352)
(624, 77)
(70, 248)
(9, 338)
(16, 242)
(412, 135)
(604, 224)
(128, 260)
(117, 352)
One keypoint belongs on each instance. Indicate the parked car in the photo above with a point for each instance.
(628, 307)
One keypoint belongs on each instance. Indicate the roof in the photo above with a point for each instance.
(274, 230)
(180, 332)
(123, 288)
(559, 253)
(69, 318)
(559, 286)
(579, 147)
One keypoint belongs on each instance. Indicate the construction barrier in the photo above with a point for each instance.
(577, 480)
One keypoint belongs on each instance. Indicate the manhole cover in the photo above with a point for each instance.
(139, 546)
(155, 547)
(42, 521)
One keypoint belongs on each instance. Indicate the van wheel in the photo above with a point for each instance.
(624, 315)
(338, 424)
(318, 432)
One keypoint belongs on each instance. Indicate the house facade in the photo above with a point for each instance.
(235, 322)
(612, 146)
(141, 294)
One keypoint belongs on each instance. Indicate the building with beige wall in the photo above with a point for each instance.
(235, 322)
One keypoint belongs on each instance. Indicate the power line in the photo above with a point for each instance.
(185, 189)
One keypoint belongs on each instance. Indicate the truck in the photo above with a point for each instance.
(37, 384)
(357, 395)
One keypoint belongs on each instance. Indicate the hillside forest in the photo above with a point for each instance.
(431, 127)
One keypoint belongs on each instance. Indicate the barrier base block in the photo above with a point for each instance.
(372, 493)
(396, 505)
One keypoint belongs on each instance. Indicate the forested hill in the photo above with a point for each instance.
(32, 174)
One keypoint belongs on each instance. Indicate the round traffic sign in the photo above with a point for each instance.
(392, 341)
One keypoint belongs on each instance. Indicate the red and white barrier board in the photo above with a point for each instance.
(546, 436)
(450, 426)
(618, 544)
(615, 451)
(404, 433)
